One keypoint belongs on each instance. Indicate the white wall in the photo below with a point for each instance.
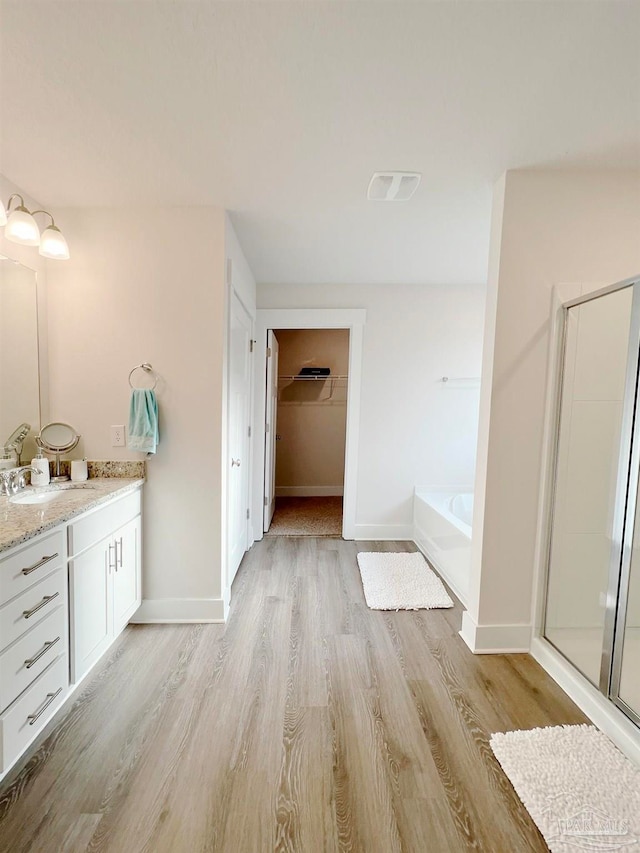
(239, 274)
(312, 415)
(549, 228)
(413, 431)
(149, 285)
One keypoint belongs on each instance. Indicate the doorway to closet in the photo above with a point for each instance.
(307, 380)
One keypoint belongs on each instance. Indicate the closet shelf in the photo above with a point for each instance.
(311, 378)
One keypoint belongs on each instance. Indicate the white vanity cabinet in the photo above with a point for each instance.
(34, 661)
(104, 579)
(65, 595)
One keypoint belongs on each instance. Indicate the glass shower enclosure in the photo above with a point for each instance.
(592, 603)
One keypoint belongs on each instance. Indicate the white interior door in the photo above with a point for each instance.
(270, 430)
(238, 439)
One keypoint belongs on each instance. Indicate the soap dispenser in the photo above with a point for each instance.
(42, 464)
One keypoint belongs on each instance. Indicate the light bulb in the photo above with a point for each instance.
(22, 228)
(53, 245)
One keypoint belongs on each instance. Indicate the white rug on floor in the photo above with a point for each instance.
(580, 790)
(400, 582)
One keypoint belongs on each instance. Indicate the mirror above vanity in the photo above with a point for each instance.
(19, 362)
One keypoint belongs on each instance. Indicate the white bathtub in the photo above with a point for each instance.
(442, 531)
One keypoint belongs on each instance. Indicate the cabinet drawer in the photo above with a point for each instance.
(22, 662)
(87, 531)
(26, 566)
(18, 725)
(25, 611)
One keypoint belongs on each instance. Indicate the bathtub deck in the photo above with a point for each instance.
(310, 723)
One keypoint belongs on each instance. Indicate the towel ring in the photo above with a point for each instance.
(147, 369)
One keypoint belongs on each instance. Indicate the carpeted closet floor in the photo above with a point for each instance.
(318, 516)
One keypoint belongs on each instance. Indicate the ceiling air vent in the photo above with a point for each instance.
(393, 186)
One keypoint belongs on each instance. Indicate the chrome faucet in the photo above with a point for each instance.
(13, 481)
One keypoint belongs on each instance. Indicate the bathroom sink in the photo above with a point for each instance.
(44, 497)
(31, 498)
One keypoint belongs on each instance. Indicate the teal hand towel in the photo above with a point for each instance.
(143, 421)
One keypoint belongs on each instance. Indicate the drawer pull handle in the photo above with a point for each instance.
(38, 564)
(49, 645)
(29, 613)
(50, 697)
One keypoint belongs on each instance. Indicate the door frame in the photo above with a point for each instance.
(352, 319)
(271, 418)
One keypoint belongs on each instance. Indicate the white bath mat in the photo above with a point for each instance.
(580, 790)
(400, 582)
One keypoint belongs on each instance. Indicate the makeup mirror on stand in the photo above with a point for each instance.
(57, 438)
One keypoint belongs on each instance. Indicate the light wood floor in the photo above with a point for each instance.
(310, 724)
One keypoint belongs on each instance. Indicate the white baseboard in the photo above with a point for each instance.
(309, 491)
(401, 532)
(180, 610)
(495, 639)
(600, 710)
(226, 601)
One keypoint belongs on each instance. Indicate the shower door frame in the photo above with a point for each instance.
(626, 499)
(618, 590)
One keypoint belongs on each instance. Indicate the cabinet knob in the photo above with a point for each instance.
(235, 462)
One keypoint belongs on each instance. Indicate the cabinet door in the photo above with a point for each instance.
(91, 607)
(126, 578)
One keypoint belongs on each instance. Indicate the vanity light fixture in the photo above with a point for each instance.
(21, 227)
(52, 243)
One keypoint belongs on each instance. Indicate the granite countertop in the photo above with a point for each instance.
(20, 522)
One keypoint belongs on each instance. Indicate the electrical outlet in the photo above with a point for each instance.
(117, 436)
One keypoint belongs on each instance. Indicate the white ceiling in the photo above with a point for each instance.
(282, 111)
